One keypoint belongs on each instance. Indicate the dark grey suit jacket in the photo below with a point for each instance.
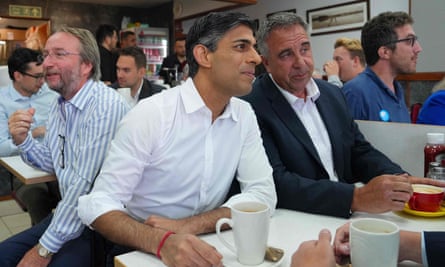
(301, 181)
(148, 89)
(435, 248)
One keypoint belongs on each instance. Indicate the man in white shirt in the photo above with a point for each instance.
(171, 170)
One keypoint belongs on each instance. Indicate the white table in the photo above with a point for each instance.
(25, 173)
(289, 228)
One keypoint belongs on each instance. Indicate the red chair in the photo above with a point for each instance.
(415, 109)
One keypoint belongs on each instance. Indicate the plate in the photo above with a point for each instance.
(439, 213)
(230, 261)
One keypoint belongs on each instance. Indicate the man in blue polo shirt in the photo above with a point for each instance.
(391, 48)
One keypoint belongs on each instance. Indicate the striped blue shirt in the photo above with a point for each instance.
(79, 132)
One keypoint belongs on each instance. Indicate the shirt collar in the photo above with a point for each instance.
(15, 95)
(313, 93)
(193, 102)
(81, 99)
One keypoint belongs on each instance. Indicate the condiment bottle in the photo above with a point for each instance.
(434, 150)
(431, 167)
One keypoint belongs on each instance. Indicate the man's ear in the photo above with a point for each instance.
(384, 52)
(265, 63)
(202, 56)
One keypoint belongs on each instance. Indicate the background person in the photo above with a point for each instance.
(128, 39)
(80, 127)
(391, 48)
(131, 68)
(433, 109)
(176, 60)
(348, 61)
(180, 160)
(28, 90)
(313, 144)
(107, 38)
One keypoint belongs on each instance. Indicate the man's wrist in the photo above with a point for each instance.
(43, 252)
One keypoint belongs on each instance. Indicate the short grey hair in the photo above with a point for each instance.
(89, 51)
(276, 21)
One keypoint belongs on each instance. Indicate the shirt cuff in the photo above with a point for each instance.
(423, 250)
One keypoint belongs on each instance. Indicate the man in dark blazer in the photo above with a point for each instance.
(130, 69)
(314, 146)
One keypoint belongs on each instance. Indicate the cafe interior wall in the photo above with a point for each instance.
(90, 16)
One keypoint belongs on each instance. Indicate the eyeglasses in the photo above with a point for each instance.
(410, 40)
(62, 151)
(38, 76)
(58, 54)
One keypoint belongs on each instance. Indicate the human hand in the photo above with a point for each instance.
(38, 131)
(33, 259)
(342, 250)
(331, 68)
(421, 180)
(188, 250)
(382, 194)
(19, 124)
(315, 252)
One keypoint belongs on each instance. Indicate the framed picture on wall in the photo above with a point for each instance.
(338, 18)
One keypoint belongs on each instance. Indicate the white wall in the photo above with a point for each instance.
(403, 143)
(322, 45)
(429, 16)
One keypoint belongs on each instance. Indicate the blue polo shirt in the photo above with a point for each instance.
(370, 99)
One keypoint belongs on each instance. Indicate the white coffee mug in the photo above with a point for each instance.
(250, 225)
(374, 243)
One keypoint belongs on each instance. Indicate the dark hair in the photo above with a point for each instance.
(20, 59)
(208, 30)
(380, 31)
(137, 53)
(104, 31)
(276, 21)
(125, 34)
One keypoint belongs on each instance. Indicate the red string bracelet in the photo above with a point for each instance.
(161, 244)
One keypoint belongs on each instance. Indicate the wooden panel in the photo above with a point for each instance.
(422, 76)
(12, 34)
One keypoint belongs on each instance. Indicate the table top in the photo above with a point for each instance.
(288, 229)
(25, 173)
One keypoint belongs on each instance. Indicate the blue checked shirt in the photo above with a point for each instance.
(79, 132)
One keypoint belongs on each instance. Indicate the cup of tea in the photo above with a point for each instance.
(250, 228)
(374, 242)
(426, 198)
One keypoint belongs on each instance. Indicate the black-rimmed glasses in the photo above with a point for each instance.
(62, 151)
(410, 40)
(38, 76)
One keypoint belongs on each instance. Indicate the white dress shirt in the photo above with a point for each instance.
(308, 114)
(169, 159)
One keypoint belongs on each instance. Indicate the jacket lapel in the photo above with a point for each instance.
(289, 118)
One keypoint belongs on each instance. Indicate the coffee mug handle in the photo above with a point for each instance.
(413, 202)
(220, 223)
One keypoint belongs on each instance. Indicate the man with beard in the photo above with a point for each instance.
(391, 48)
(80, 127)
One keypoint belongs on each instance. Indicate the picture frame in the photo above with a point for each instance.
(293, 10)
(338, 18)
